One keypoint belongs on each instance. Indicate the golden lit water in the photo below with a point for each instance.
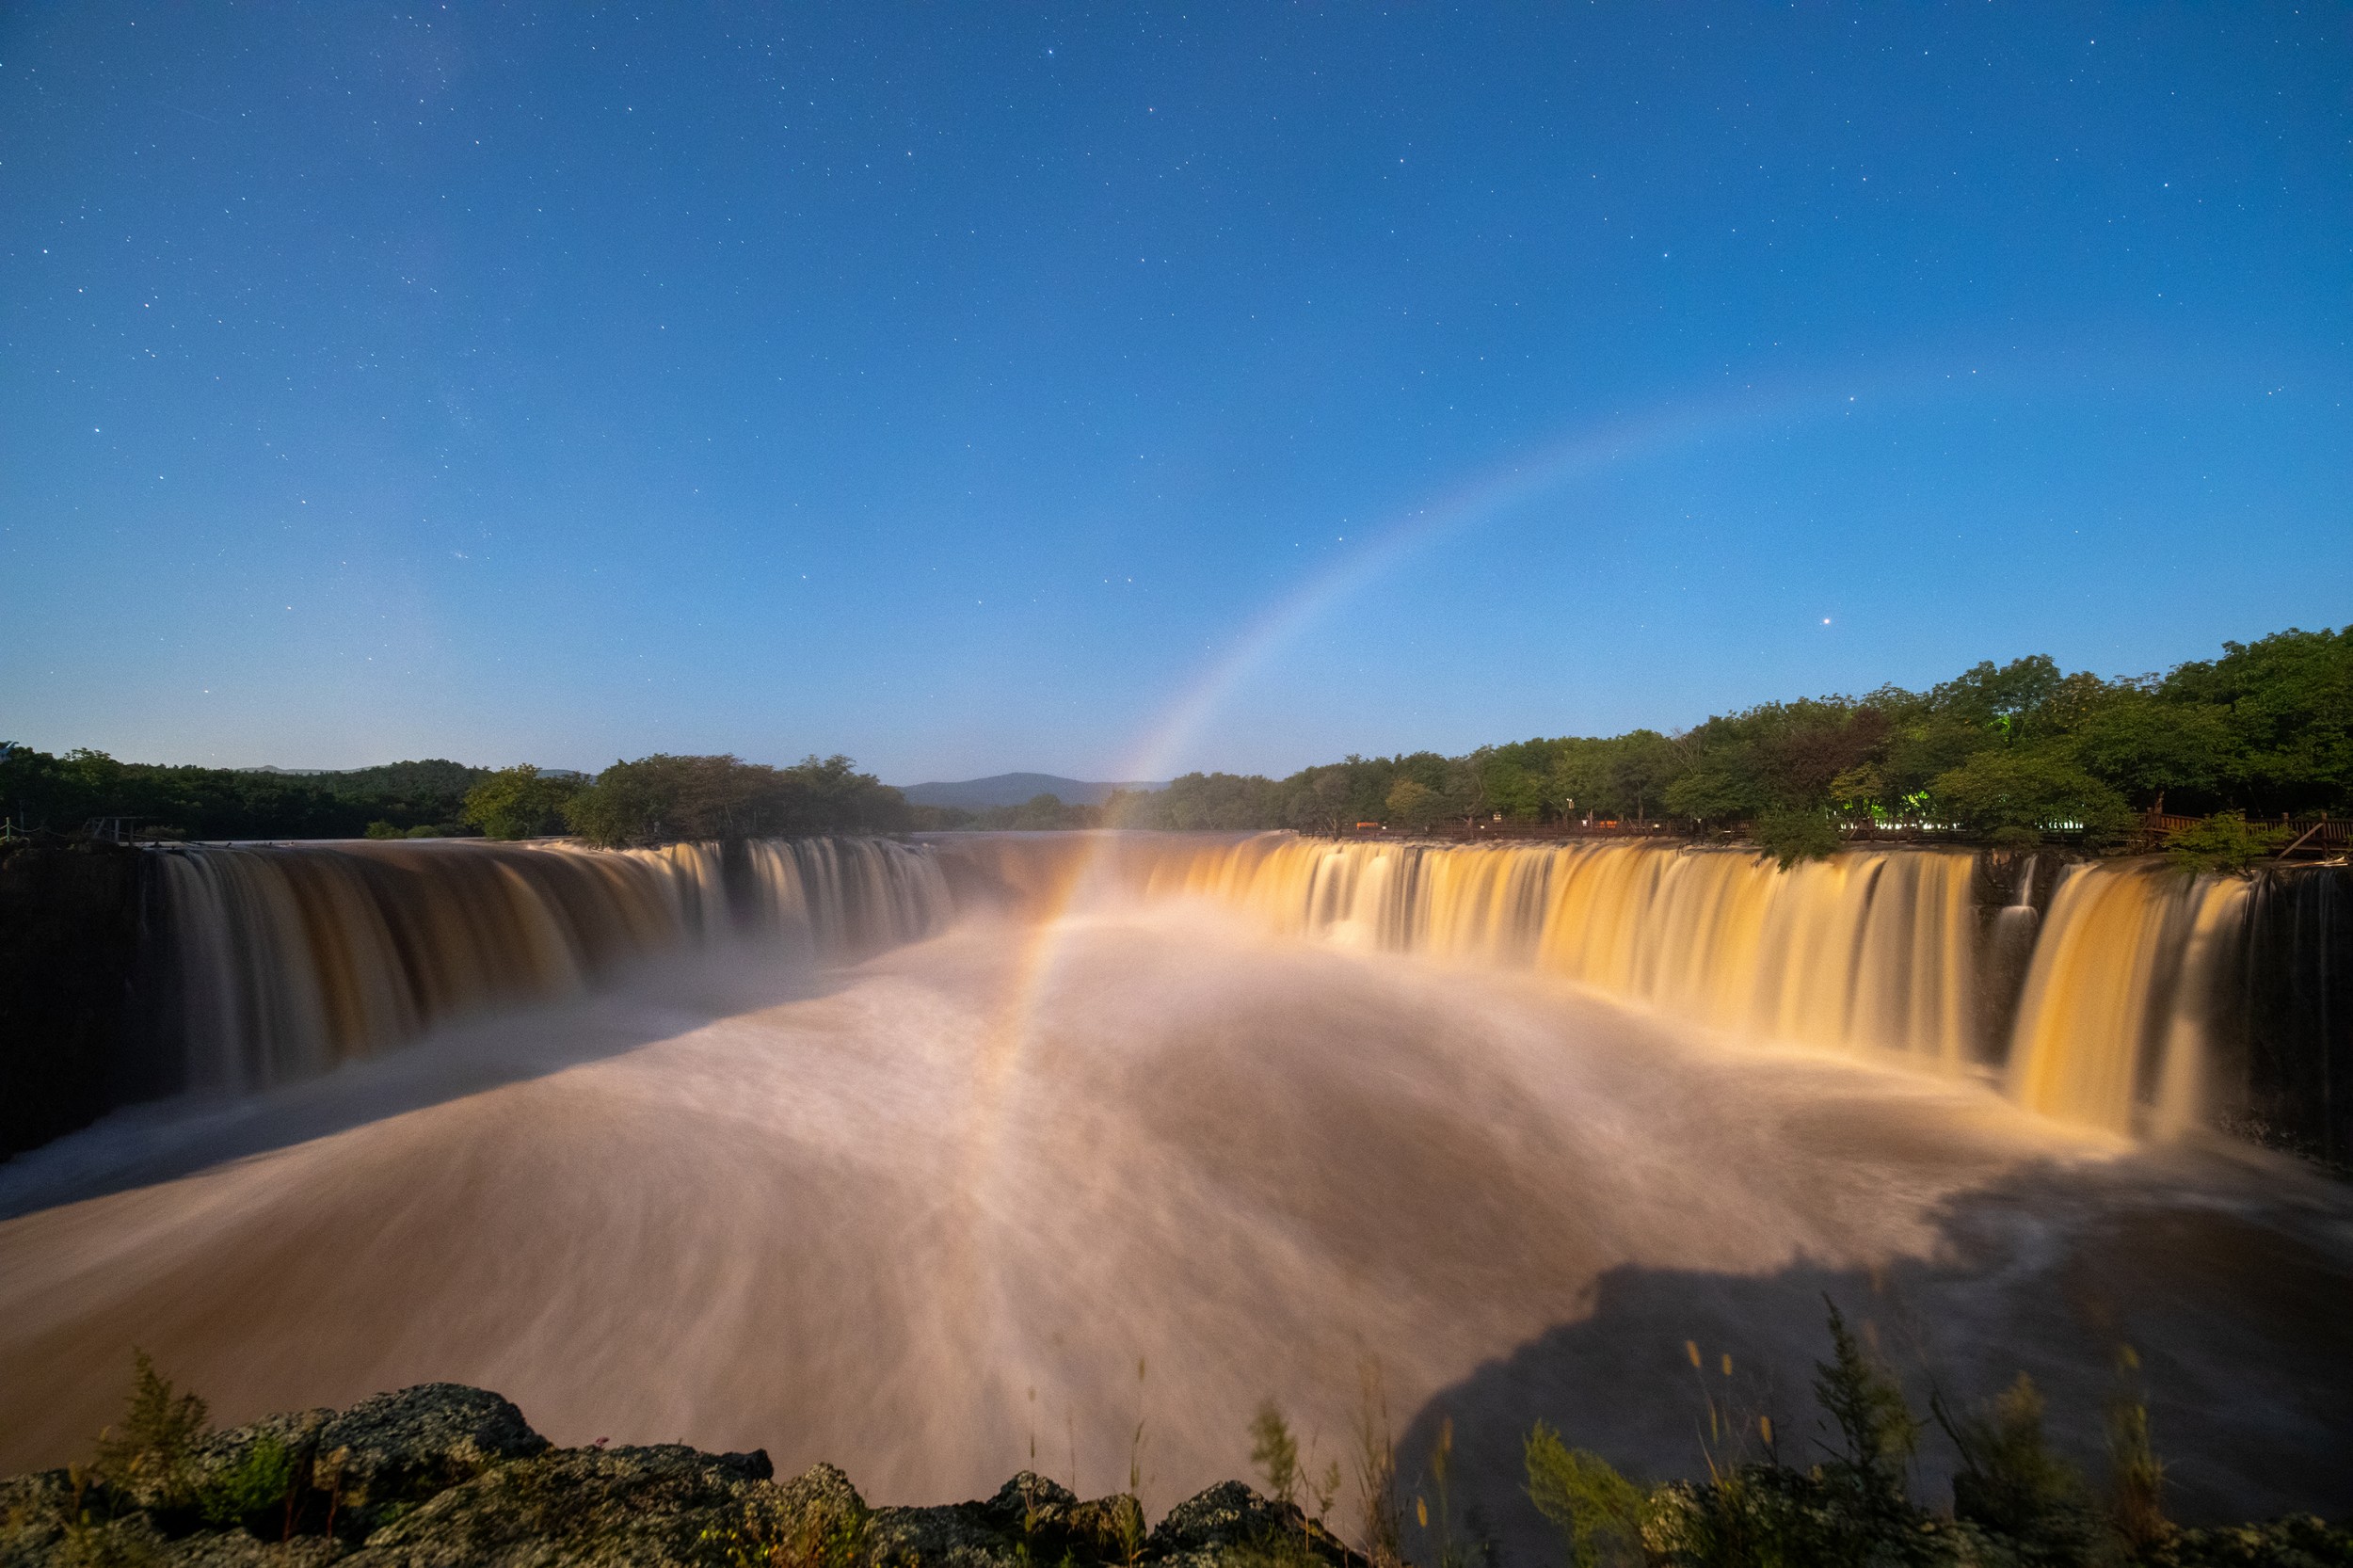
(1881, 952)
(759, 1192)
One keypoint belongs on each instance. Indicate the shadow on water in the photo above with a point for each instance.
(2238, 1320)
(159, 1141)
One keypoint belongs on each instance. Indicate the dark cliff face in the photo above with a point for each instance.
(69, 932)
(2297, 1024)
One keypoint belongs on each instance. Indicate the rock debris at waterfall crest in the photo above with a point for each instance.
(444, 1476)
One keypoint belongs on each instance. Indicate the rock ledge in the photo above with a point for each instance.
(444, 1476)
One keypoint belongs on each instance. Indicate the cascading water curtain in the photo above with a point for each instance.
(2114, 1022)
(286, 960)
(1864, 950)
(1869, 949)
(830, 897)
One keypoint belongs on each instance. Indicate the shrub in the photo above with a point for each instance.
(1867, 1403)
(1598, 1511)
(1790, 837)
(2225, 841)
(263, 1479)
(1276, 1452)
(2011, 1483)
(2136, 1474)
(152, 1456)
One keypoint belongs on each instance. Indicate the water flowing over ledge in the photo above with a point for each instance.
(275, 964)
(2122, 996)
(2112, 995)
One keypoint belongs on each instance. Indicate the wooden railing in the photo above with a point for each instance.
(2327, 836)
(2313, 838)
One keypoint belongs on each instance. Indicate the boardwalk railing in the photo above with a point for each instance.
(2328, 836)
(2314, 839)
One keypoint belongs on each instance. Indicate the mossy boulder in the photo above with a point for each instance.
(654, 1506)
(408, 1446)
(1230, 1522)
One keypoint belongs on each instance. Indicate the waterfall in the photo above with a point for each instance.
(2121, 987)
(2112, 1026)
(283, 962)
(1875, 950)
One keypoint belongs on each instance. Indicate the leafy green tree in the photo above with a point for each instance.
(1513, 789)
(2004, 698)
(666, 798)
(1320, 799)
(2288, 702)
(2143, 747)
(1791, 834)
(1717, 791)
(517, 803)
(1643, 765)
(1414, 806)
(2030, 788)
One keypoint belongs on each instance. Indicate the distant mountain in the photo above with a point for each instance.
(1012, 789)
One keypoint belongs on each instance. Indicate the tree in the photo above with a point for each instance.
(2143, 747)
(1715, 792)
(2031, 788)
(516, 803)
(2288, 706)
(1515, 791)
(1414, 806)
(666, 798)
(1644, 764)
(1791, 834)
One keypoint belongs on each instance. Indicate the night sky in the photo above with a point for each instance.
(1119, 392)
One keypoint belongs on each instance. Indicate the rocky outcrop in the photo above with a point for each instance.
(407, 1448)
(444, 1476)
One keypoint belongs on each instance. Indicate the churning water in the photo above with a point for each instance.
(907, 1158)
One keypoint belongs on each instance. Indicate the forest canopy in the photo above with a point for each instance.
(1999, 751)
(651, 800)
(2004, 752)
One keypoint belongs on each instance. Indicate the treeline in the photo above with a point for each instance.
(2002, 752)
(653, 800)
(663, 799)
(40, 793)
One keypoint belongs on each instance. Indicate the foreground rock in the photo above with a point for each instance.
(441, 1476)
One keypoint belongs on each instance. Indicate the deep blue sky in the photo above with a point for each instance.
(959, 388)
